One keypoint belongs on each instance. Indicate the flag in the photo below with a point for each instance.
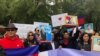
(69, 52)
(30, 51)
(81, 20)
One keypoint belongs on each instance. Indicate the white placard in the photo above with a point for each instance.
(58, 20)
(23, 29)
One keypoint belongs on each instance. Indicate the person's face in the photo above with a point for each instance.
(66, 35)
(97, 34)
(37, 30)
(30, 35)
(11, 32)
(86, 37)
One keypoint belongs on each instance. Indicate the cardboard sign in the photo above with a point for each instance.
(88, 28)
(71, 20)
(23, 29)
(58, 20)
(95, 43)
(46, 32)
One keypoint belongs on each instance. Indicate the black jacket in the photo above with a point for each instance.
(28, 43)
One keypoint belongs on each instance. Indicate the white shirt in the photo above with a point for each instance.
(53, 45)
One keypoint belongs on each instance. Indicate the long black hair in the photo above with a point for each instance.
(34, 39)
(81, 38)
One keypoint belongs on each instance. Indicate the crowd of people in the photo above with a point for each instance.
(60, 39)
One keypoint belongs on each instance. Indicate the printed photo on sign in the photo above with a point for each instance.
(88, 28)
(71, 20)
(42, 32)
(46, 33)
(96, 43)
(58, 20)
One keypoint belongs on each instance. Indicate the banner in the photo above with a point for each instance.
(68, 52)
(23, 29)
(30, 51)
(58, 20)
(88, 28)
(81, 20)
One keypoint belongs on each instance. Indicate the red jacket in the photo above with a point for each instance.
(9, 43)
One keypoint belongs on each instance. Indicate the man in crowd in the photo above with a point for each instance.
(10, 39)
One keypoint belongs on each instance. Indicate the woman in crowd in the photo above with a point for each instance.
(85, 43)
(31, 40)
(66, 40)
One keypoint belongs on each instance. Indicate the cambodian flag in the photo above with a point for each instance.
(81, 20)
(30, 51)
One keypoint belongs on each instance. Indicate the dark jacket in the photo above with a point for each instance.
(69, 44)
(2, 52)
(28, 43)
(73, 39)
(45, 46)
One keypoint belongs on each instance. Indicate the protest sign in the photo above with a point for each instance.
(23, 29)
(71, 20)
(58, 20)
(45, 31)
(88, 28)
(95, 43)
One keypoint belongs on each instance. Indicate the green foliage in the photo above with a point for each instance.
(27, 11)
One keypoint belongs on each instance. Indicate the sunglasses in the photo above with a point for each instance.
(30, 35)
(10, 30)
